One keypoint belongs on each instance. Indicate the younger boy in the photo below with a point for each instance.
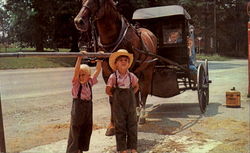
(122, 86)
(81, 113)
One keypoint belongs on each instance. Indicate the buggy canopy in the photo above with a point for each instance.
(160, 11)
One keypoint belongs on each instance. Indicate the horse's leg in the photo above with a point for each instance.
(138, 105)
(142, 119)
(145, 87)
(111, 128)
(141, 99)
(106, 71)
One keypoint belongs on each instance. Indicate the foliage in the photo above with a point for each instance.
(35, 22)
(4, 26)
(49, 23)
(225, 20)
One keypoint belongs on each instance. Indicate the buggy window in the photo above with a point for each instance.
(172, 36)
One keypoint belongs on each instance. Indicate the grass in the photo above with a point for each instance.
(37, 62)
(214, 57)
(14, 49)
(34, 62)
(44, 62)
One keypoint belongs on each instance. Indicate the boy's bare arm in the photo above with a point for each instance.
(136, 87)
(98, 68)
(77, 68)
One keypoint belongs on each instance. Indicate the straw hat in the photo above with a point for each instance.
(120, 52)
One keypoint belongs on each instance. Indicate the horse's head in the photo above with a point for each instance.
(91, 9)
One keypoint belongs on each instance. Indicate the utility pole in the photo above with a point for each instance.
(248, 12)
(237, 38)
(206, 38)
(2, 139)
(215, 28)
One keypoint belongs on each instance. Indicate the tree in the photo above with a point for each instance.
(3, 24)
(37, 23)
(65, 34)
(26, 25)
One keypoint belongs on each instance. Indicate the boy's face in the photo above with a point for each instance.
(122, 63)
(173, 36)
(84, 76)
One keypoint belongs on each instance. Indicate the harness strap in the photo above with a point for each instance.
(122, 35)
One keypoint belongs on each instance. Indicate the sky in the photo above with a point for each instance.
(1, 2)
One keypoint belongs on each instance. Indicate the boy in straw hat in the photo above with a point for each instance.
(122, 86)
(81, 113)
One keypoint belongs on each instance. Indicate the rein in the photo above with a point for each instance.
(112, 47)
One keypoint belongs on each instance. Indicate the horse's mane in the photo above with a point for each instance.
(111, 10)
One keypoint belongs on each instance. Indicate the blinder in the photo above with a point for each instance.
(93, 11)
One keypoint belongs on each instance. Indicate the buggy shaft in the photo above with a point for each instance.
(55, 54)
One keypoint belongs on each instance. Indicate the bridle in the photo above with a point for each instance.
(94, 13)
(94, 17)
(97, 7)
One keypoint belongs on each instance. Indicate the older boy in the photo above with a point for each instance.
(122, 86)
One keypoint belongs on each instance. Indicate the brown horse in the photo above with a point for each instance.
(116, 33)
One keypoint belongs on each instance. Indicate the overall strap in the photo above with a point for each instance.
(90, 87)
(130, 85)
(116, 84)
(79, 91)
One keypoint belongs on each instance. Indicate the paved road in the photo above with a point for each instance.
(35, 82)
(39, 82)
(24, 90)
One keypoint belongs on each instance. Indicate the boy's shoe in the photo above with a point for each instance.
(110, 130)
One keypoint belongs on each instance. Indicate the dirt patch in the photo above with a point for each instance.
(234, 135)
(154, 128)
(40, 135)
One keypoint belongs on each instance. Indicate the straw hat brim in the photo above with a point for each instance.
(114, 55)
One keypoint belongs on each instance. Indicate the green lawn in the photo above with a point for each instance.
(214, 57)
(34, 62)
(44, 62)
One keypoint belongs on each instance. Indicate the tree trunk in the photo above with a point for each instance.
(74, 41)
(39, 47)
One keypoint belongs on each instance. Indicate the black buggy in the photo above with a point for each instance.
(176, 69)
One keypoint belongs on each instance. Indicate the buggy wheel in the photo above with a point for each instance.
(202, 88)
(207, 80)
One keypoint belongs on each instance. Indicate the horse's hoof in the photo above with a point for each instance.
(110, 132)
(142, 121)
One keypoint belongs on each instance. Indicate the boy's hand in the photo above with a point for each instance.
(84, 52)
(99, 61)
(101, 52)
(109, 91)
